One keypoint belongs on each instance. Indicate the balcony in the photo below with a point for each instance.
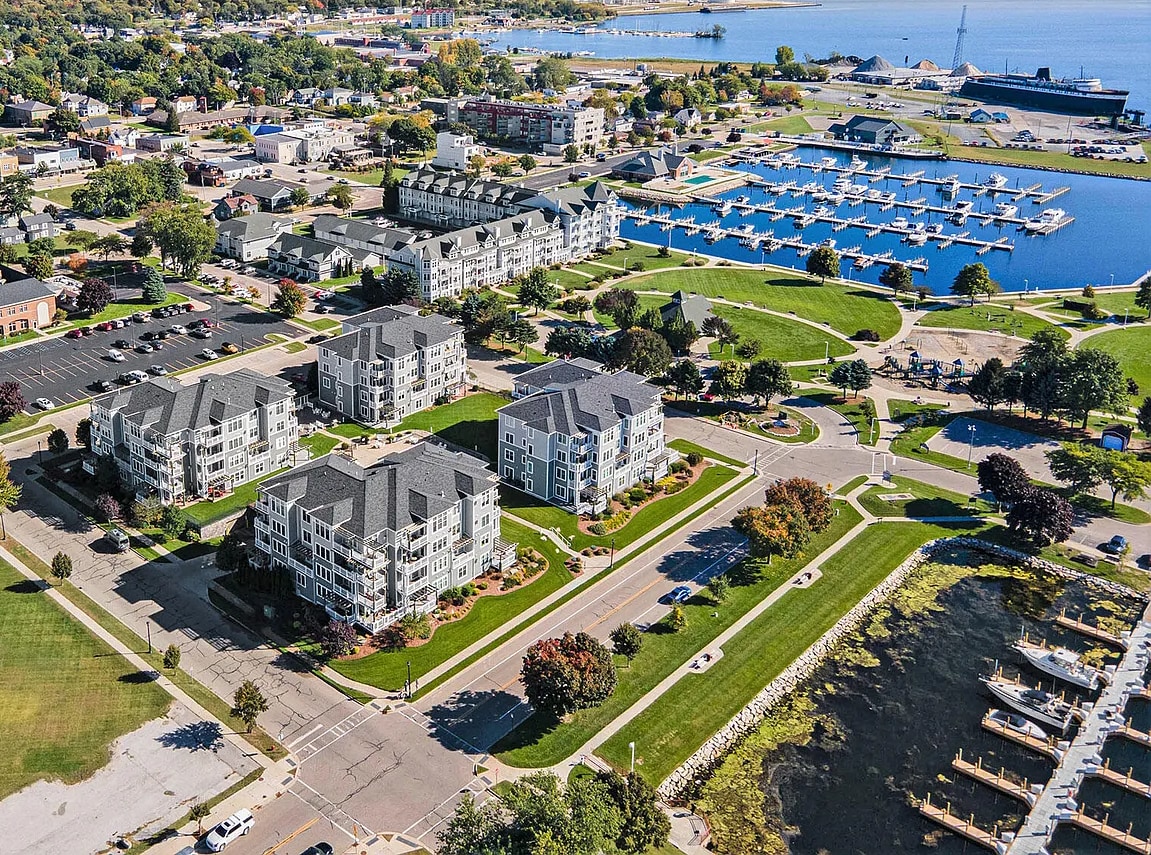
(258, 447)
(301, 552)
(462, 545)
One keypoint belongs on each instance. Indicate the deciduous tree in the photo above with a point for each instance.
(1003, 476)
(898, 277)
(773, 530)
(95, 295)
(718, 587)
(1143, 295)
(729, 380)
(536, 290)
(685, 379)
(1041, 517)
(561, 675)
(1143, 417)
(1079, 466)
(1092, 380)
(626, 641)
(84, 433)
(340, 196)
(58, 441)
(289, 300)
(61, 566)
(643, 352)
(621, 303)
(338, 639)
(1125, 474)
(973, 280)
(823, 262)
(806, 496)
(248, 703)
(11, 400)
(768, 378)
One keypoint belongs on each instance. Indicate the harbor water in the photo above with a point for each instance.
(1107, 39)
(894, 707)
(1104, 243)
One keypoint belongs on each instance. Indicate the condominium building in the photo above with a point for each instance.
(454, 151)
(182, 442)
(425, 19)
(581, 434)
(302, 145)
(389, 363)
(373, 544)
(547, 127)
(452, 199)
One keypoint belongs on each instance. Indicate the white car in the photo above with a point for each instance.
(208, 353)
(177, 329)
(235, 826)
(115, 355)
(44, 403)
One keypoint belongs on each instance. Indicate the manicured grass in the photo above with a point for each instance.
(988, 317)
(899, 410)
(1051, 160)
(672, 728)
(569, 280)
(65, 695)
(651, 515)
(121, 309)
(685, 447)
(541, 741)
(317, 324)
(852, 410)
(782, 339)
(843, 307)
(19, 422)
(388, 669)
(1131, 347)
(786, 125)
(61, 197)
(372, 178)
(294, 347)
(470, 422)
(649, 256)
(16, 338)
(320, 444)
(208, 511)
(929, 501)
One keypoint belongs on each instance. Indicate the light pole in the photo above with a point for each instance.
(1126, 312)
(970, 444)
(611, 565)
(409, 679)
(631, 745)
(827, 350)
(871, 437)
(1112, 280)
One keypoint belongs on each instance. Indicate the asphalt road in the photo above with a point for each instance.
(67, 369)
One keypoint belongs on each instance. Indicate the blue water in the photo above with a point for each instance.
(1108, 39)
(1109, 237)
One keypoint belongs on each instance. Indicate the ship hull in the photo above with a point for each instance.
(1010, 699)
(1076, 104)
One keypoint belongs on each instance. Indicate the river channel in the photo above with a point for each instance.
(882, 721)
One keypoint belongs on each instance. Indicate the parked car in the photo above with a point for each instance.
(144, 347)
(228, 347)
(1115, 545)
(115, 355)
(129, 378)
(232, 828)
(158, 370)
(122, 344)
(177, 329)
(104, 385)
(140, 317)
(118, 324)
(680, 594)
(117, 539)
(104, 326)
(188, 307)
(208, 353)
(73, 333)
(316, 339)
(201, 332)
(44, 403)
(319, 849)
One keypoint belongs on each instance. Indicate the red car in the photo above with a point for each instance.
(106, 326)
(73, 334)
(188, 307)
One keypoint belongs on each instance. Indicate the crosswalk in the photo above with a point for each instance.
(337, 731)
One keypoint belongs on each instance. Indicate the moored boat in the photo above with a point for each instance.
(1036, 704)
(1016, 722)
(1058, 662)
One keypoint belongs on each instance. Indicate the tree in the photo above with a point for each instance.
(232, 553)
(1124, 473)
(81, 239)
(679, 333)
(199, 812)
(784, 55)
(823, 262)
(476, 164)
(718, 588)
(61, 566)
(340, 196)
(9, 490)
(411, 135)
(338, 639)
(1143, 295)
(153, 288)
(503, 169)
(299, 197)
(11, 400)
(1042, 517)
(643, 352)
(677, 619)
(1143, 417)
(1079, 466)
(108, 245)
(748, 349)
(561, 675)
(840, 376)
(15, 195)
(483, 317)
(95, 295)
(626, 641)
(571, 154)
(173, 521)
(621, 303)
(527, 163)
(289, 300)
(141, 245)
(398, 286)
(685, 378)
(988, 385)
(172, 657)
(858, 376)
(551, 72)
(721, 330)
(729, 380)
(536, 291)
(898, 277)
(185, 240)
(805, 496)
(1092, 380)
(1043, 360)
(773, 530)
(247, 704)
(84, 433)
(643, 826)
(58, 441)
(107, 508)
(39, 266)
(973, 280)
(1003, 476)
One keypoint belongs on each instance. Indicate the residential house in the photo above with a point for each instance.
(876, 131)
(124, 136)
(95, 126)
(184, 104)
(11, 236)
(304, 97)
(84, 106)
(143, 106)
(37, 226)
(235, 206)
(26, 304)
(247, 238)
(161, 143)
(272, 194)
(373, 544)
(305, 259)
(648, 165)
(180, 442)
(689, 118)
(336, 96)
(581, 440)
(27, 112)
(454, 151)
(363, 99)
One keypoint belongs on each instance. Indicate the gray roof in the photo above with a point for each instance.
(576, 200)
(29, 220)
(298, 246)
(391, 338)
(691, 307)
(448, 244)
(595, 404)
(401, 489)
(560, 373)
(654, 163)
(261, 189)
(168, 406)
(30, 106)
(458, 184)
(341, 229)
(23, 290)
(255, 226)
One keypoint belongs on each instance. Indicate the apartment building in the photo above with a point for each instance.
(26, 304)
(454, 151)
(389, 363)
(303, 145)
(247, 238)
(307, 260)
(547, 127)
(371, 544)
(181, 442)
(452, 200)
(426, 19)
(60, 157)
(585, 435)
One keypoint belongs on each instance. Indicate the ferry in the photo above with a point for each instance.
(995, 181)
(1084, 96)
(1005, 210)
(1016, 722)
(1058, 662)
(1036, 704)
(1046, 219)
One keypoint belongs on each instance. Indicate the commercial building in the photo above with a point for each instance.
(389, 363)
(54, 158)
(454, 151)
(874, 131)
(303, 145)
(546, 127)
(373, 544)
(648, 165)
(27, 112)
(427, 19)
(248, 238)
(307, 260)
(161, 143)
(583, 436)
(26, 304)
(271, 194)
(880, 72)
(180, 442)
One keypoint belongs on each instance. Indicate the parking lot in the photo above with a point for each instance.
(64, 370)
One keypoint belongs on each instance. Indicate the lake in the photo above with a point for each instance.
(1108, 39)
(1104, 240)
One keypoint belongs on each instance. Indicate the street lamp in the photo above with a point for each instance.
(631, 745)
(611, 565)
(1126, 312)
(871, 437)
(1112, 280)
(970, 444)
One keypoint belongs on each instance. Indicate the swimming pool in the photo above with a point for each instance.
(699, 179)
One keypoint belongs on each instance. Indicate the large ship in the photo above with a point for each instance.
(1079, 96)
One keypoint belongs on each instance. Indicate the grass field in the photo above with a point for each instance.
(388, 669)
(899, 410)
(672, 728)
(929, 501)
(782, 339)
(61, 197)
(541, 742)
(470, 422)
(987, 317)
(64, 694)
(843, 307)
(786, 125)
(205, 512)
(121, 309)
(1131, 347)
(685, 446)
(649, 255)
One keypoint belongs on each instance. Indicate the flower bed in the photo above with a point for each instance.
(623, 506)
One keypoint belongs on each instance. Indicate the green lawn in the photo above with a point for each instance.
(61, 197)
(852, 410)
(990, 317)
(845, 308)
(470, 422)
(653, 514)
(207, 512)
(318, 324)
(648, 255)
(388, 669)
(540, 741)
(782, 339)
(929, 501)
(569, 280)
(1131, 347)
(786, 125)
(64, 694)
(715, 411)
(685, 447)
(899, 410)
(121, 309)
(372, 178)
(672, 728)
(319, 444)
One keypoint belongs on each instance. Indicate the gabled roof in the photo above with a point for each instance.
(399, 490)
(460, 185)
(338, 229)
(233, 203)
(27, 221)
(23, 290)
(447, 245)
(300, 247)
(261, 188)
(394, 336)
(255, 226)
(691, 307)
(594, 404)
(560, 373)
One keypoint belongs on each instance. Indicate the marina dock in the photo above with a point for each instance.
(997, 781)
(1045, 747)
(963, 827)
(1091, 631)
(1124, 782)
(1108, 832)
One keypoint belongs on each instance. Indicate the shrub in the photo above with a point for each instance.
(637, 265)
(1089, 291)
(694, 458)
(338, 639)
(679, 466)
(172, 657)
(145, 513)
(598, 529)
(637, 493)
(865, 335)
(664, 252)
(107, 508)
(415, 626)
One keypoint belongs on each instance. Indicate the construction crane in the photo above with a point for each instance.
(960, 33)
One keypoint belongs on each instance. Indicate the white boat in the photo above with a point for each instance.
(820, 211)
(951, 186)
(857, 189)
(899, 223)
(935, 228)
(857, 163)
(1046, 219)
(830, 243)
(1005, 210)
(1036, 704)
(964, 206)
(828, 161)
(835, 198)
(1016, 722)
(995, 181)
(841, 184)
(723, 207)
(887, 197)
(1058, 662)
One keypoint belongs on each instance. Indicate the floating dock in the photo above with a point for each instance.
(997, 781)
(963, 827)
(1108, 832)
(1091, 631)
(1045, 747)
(1124, 782)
